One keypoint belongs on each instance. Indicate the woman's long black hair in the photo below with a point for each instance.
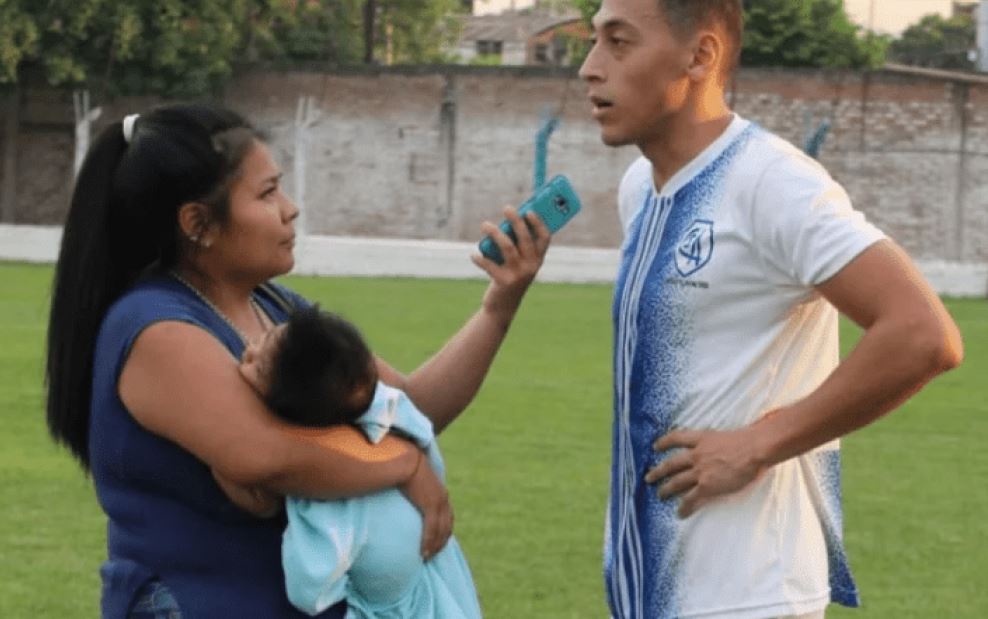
(123, 219)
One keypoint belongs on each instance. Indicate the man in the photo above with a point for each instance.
(728, 394)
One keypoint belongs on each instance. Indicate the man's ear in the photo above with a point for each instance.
(708, 55)
(194, 223)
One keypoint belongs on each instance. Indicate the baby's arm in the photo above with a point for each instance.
(257, 501)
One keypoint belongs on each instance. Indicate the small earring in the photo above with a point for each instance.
(207, 243)
(194, 239)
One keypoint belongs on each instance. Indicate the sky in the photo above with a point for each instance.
(893, 16)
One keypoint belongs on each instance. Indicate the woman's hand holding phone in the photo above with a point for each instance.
(521, 261)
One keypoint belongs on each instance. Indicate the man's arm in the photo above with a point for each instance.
(909, 339)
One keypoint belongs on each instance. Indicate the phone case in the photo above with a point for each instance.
(556, 203)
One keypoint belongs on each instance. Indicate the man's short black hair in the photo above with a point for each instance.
(322, 373)
(687, 16)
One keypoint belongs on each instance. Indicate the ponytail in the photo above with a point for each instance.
(85, 284)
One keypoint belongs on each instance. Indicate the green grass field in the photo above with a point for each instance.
(529, 460)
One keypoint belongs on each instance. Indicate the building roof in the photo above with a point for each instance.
(513, 26)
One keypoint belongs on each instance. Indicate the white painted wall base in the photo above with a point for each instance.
(377, 257)
(29, 243)
(334, 255)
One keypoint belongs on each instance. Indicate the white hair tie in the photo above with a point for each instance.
(128, 127)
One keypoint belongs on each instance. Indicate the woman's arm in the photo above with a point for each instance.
(445, 384)
(251, 499)
(181, 383)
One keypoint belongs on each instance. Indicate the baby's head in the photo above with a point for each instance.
(313, 370)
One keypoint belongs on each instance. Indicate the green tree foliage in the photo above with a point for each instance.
(587, 8)
(47, 34)
(177, 47)
(189, 47)
(807, 33)
(937, 42)
(405, 31)
(486, 60)
(306, 30)
(18, 39)
(413, 31)
(798, 33)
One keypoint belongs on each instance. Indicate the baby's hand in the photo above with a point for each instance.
(428, 494)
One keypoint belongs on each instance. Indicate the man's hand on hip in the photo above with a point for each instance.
(711, 464)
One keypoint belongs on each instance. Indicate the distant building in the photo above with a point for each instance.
(978, 12)
(964, 8)
(495, 7)
(531, 36)
(981, 25)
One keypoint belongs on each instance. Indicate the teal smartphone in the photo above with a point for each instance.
(555, 202)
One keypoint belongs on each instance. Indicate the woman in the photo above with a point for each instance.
(176, 224)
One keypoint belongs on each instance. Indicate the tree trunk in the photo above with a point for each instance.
(11, 127)
(389, 51)
(370, 12)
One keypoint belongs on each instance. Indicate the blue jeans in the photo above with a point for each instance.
(155, 601)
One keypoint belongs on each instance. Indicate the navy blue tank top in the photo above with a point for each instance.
(167, 518)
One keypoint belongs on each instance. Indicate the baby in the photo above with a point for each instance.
(315, 370)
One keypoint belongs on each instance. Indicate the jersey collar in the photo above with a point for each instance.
(699, 163)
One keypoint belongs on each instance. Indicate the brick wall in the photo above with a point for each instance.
(429, 153)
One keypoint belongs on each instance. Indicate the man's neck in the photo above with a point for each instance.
(684, 136)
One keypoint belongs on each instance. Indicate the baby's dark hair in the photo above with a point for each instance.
(322, 373)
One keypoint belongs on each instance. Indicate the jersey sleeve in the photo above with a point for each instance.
(804, 225)
(320, 544)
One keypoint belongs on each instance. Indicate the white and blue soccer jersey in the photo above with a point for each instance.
(717, 322)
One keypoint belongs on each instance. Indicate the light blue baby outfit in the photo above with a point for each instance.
(366, 549)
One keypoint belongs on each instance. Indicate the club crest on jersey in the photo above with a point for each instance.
(695, 248)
